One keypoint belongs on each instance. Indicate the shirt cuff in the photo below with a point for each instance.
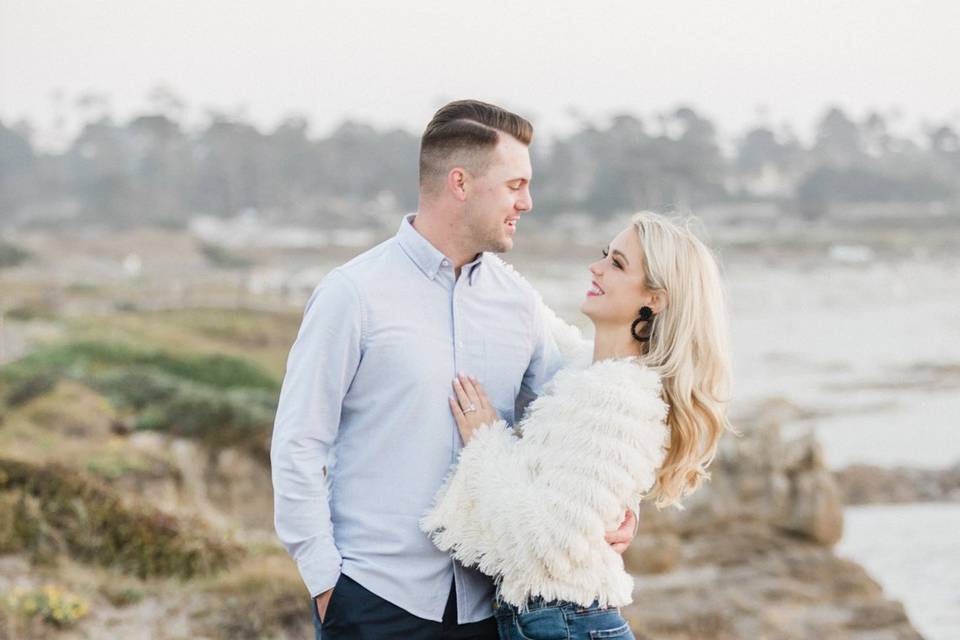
(320, 575)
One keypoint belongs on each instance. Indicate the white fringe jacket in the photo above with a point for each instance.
(531, 511)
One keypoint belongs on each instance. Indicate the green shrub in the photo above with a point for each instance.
(12, 256)
(217, 256)
(233, 417)
(61, 510)
(120, 595)
(32, 311)
(218, 399)
(135, 388)
(9, 540)
(26, 389)
(112, 465)
(79, 359)
(168, 404)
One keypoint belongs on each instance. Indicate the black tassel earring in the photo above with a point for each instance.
(645, 314)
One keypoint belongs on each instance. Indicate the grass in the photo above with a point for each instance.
(259, 337)
(51, 510)
(83, 358)
(221, 400)
(260, 597)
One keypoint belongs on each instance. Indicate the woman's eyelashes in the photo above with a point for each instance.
(616, 263)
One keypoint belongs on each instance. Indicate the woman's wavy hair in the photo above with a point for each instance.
(689, 347)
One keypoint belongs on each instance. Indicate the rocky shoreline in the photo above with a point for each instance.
(752, 555)
(871, 484)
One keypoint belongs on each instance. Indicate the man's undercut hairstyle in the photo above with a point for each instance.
(464, 133)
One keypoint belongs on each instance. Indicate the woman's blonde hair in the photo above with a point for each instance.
(688, 346)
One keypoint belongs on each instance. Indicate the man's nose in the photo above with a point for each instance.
(525, 203)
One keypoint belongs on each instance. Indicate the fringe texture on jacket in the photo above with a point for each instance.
(531, 511)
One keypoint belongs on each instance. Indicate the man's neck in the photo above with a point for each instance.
(441, 232)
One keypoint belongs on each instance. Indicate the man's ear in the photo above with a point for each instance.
(456, 183)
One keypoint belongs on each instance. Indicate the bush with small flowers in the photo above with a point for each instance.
(51, 604)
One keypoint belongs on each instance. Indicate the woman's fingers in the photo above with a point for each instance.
(461, 394)
(456, 410)
(469, 386)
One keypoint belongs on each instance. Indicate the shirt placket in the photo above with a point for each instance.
(467, 358)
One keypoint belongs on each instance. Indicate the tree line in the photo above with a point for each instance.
(152, 170)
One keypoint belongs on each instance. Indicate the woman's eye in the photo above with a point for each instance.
(616, 263)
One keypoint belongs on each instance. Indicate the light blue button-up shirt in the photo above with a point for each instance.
(367, 381)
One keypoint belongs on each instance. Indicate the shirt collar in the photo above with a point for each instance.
(427, 257)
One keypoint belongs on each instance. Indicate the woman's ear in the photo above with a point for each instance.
(658, 301)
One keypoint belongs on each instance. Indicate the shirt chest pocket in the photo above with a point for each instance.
(506, 358)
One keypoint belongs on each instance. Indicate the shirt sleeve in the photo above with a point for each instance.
(321, 365)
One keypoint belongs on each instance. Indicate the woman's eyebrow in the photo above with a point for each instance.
(617, 252)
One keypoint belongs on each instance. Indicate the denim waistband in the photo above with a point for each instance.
(538, 602)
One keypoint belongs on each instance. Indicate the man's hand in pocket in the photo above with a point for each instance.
(322, 601)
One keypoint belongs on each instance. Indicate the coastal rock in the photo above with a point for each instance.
(869, 484)
(751, 555)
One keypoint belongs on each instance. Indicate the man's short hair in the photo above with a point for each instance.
(465, 131)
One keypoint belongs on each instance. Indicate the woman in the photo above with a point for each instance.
(641, 421)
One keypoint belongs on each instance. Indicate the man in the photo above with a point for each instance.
(368, 380)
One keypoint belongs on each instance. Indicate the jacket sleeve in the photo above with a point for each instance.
(466, 518)
(321, 365)
(540, 505)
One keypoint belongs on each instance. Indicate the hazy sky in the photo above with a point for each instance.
(393, 63)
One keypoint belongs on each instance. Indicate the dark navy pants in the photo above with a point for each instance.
(357, 614)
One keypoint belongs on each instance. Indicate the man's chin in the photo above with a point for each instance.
(501, 246)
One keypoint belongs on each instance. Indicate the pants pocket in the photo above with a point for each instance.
(548, 623)
(620, 632)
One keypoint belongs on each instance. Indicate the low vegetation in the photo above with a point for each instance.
(50, 510)
(218, 399)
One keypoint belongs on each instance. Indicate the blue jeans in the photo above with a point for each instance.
(559, 621)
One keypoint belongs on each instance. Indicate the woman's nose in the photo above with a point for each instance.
(595, 268)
